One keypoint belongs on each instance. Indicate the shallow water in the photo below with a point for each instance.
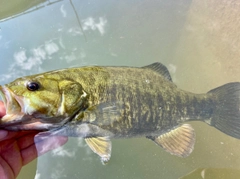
(198, 42)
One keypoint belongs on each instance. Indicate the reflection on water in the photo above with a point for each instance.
(198, 42)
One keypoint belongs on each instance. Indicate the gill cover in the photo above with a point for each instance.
(72, 97)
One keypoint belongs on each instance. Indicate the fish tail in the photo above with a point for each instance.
(226, 116)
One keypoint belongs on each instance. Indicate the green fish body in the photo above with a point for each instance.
(99, 103)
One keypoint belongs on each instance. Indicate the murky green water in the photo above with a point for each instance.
(197, 40)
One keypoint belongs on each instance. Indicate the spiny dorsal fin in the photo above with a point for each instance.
(101, 146)
(179, 141)
(161, 69)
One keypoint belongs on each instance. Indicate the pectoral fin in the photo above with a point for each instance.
(104, 113)
(101, 146)
(179, 141)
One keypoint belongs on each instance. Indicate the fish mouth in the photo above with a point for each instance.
(15, 117)
(12, 106)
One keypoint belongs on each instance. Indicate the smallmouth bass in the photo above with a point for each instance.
(99, 103)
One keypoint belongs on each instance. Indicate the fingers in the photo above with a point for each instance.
(29, 154)
(41, 147)
(2, 109)
(6, 171)
(26, 141)
(3, 134)
(26, 146)
(50, 143)
(9, 152)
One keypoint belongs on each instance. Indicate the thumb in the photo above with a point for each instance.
(45, 143)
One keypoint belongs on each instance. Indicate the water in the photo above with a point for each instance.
(197, 40)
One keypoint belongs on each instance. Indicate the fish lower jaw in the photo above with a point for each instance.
(9, 119)
(38, 126)
(22, 122)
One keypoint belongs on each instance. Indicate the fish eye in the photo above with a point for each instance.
(32, 86)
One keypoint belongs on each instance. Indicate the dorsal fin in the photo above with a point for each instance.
(161, 69)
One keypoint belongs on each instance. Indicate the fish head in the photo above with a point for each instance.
(40, 102)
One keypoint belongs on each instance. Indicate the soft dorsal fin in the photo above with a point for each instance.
(101, 146)
(179, 141)
(161, 69)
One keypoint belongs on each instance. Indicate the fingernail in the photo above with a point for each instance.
(49, 143)
(3, 134)
(41, 136)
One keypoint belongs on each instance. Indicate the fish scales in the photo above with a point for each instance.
(98, 103)
(149, 101)
(147, 95)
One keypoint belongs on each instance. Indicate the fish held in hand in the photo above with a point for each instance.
(99, 103)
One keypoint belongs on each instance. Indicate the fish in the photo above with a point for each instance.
(99, 103)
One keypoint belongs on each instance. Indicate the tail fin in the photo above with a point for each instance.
(226, 116)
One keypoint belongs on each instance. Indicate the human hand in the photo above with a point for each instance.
(2, 109)
(18, 149)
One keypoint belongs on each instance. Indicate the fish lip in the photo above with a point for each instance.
(8, 96)
(3, 95)
(13, 107)
(29, 125)
(27, 122)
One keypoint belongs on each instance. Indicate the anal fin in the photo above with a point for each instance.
(179, 141)
(101, 146)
